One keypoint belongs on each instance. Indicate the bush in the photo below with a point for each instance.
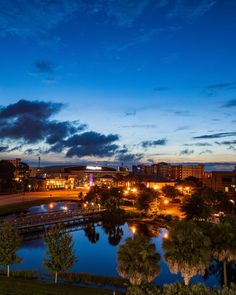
(23, 274)
(86, 278)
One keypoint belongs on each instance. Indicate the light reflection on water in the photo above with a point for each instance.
(99, 256)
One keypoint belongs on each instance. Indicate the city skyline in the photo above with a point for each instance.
(118, 81)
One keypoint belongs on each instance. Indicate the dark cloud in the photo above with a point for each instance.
(44, 67)
(230, 104)
(132, 113)
(3, 148)
(186, 152)
(206, 152)
(182, 113)
(153, 143)
(181, 128)
(30, 121)
(232, 148)
(88, 144)
(215, 135)
(214, 88)
(226, 142)
(198, 144)
(160, 88)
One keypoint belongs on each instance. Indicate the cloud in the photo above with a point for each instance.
(143, 38)
(191, 10)
(3, 148)
(229, 104)
(160, 88)
(140, 126)
(182, 113)
(186, 152)
(181, 128)
(30, 121)
(153, 143)
(232, 148)
(198, 144)
(44, 67)
(91, 144)
(226, 142)
(34, 19)
(206, 152)
(132, 113)
(215, 135)
(123, 155)
(214, 88)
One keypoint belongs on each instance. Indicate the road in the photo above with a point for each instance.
(32, 196)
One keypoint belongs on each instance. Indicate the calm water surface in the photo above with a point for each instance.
(99, 257)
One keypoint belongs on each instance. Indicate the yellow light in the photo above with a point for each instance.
(156, 187)
(166, 202)
(65, 208)
(133, 229)
(166, 236)
(51, 206)
(134, 190)
(85, 205)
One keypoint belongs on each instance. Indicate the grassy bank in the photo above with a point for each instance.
(26, 287)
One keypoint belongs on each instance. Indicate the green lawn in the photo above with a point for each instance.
(26, 287)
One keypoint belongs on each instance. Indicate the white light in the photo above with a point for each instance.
(93, 168)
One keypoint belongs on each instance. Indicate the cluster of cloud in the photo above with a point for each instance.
(31, 123)
(215, 135)
(36, 18)
(153, 143)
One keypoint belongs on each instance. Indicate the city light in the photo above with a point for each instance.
(51, 206)
(166, 202)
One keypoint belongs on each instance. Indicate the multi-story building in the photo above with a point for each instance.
(224, 181)
(184, 171)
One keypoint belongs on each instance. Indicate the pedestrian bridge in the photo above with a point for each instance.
(31, 223)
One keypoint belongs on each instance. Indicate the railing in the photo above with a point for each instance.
(40, 221)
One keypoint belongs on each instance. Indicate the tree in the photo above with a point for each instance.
(9, 244)
(7, 174)
(148, 201)
(224, 244)
(60, 256)
(196, 208)
(138, 260)
(187, 250)
(170, 191)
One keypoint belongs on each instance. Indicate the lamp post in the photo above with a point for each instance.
(233, 203)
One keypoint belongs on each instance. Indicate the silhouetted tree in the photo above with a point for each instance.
(195, 207)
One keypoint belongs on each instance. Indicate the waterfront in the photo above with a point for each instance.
(96, 247)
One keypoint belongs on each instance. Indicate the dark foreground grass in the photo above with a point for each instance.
(26, 287)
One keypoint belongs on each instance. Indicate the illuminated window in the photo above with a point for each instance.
(226, 189)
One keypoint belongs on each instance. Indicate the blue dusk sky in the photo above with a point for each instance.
(121, 81)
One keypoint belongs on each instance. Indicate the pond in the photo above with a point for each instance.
(96, 247)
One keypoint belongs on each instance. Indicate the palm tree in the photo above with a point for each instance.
(187, 250)
(224, 244)
(138, 260)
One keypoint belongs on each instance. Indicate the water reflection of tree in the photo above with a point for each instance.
(187, 250)
(114, 231)
(216, 269)
(148, 229)
(224, 244)
(90, 232)
(138, 260)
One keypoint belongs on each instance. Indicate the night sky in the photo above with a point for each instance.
(124, 81)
